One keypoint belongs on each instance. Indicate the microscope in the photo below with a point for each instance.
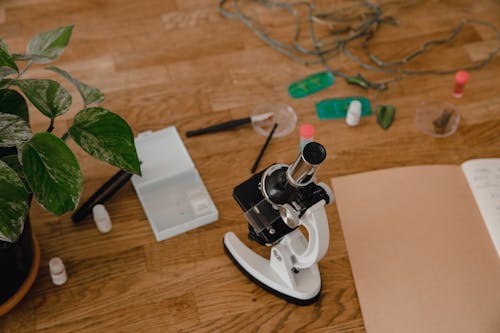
(276, 202)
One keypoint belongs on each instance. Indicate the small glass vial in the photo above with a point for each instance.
(353, 116)
(57, 271)
(101, 218)
(306, 135)
(461, 79)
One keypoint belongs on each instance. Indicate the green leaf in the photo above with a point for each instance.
(6, 60)
(20, 56)
(13, 130)
(48, 96)
(13, 162)
(52, 172)
(26, 57)
(89, 94)
(7, 64)
(385, 115)
(6, 71)
(13, 204)
(30, 57)
(14, 103)
(359, 81)
(49, 45)
(3, 46)
(5, 83)
(106, 136)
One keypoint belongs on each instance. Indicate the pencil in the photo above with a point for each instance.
(255, 165)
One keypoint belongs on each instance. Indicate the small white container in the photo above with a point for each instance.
(353, 116)
(57, 271)
(101, 218)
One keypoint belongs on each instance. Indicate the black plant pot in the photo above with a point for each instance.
(19, 261)
(16, 261)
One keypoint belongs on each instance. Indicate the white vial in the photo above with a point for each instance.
(353, 113)
(57, 271)
(101, 218)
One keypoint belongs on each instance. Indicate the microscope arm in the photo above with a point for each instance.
(316, 223)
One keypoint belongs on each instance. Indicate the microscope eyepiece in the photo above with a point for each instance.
(302, 171)
(280, 183)
(314, 153)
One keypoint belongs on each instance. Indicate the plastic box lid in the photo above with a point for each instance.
(170, 190)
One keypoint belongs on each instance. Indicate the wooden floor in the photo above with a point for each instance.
(178, 62)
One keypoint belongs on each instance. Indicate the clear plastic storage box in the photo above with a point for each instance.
(170, 190)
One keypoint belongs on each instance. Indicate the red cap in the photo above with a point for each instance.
(306, 131)
(462, 77)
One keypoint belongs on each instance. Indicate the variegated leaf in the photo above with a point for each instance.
(106, 136)
(48, 96)
(6, 61)
(89, 94)
(52, 172)
(13, 130)
(13, 162)
(6, 71)
(49, 45)
(14, 103)
(13, 204)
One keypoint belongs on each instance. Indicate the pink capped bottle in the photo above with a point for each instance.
(306, 135)
(461, 79)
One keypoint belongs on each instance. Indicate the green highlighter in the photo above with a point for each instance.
(311, 84)
(337, 107)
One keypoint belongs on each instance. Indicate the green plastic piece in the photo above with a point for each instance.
(385, 115)
(311, 84)
(337, 107)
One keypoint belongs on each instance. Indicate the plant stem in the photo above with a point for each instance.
(24, 69)
(20, 74)
(51, 125)
(65, 136)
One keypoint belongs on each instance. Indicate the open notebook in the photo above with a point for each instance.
(424, 245)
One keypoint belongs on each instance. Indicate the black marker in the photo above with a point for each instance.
(102, 195)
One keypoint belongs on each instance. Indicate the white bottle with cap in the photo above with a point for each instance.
(101, 218)
(353, 113)
(57, 271)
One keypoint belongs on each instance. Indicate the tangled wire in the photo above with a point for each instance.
(365, 26)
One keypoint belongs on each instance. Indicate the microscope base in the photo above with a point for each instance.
(275, 275)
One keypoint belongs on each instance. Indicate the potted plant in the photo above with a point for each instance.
(40, 166)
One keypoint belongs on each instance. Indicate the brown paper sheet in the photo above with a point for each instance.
(420, 253)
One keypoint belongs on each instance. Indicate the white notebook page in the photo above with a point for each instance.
(483, 176)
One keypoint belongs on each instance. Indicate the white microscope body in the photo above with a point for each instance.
(292, 271)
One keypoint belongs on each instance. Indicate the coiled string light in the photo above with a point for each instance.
(338, 40)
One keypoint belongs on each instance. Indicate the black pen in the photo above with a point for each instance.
(230, 124)
(255, 165)
(102, 195)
